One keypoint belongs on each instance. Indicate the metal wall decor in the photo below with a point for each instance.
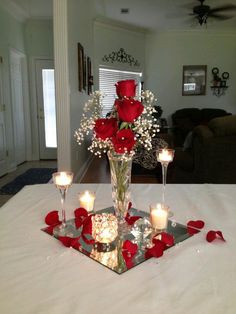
(122, 57)
(219, 85)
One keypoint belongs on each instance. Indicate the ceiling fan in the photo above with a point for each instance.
(202, 12)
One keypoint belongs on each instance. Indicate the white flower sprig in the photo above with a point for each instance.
(145, 126)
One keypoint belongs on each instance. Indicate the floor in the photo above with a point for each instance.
(21, 169)
(97, 172)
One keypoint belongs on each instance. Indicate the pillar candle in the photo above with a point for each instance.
(86, 200)
(159, 216)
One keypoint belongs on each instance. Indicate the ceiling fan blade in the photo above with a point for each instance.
(223, 8)
(221, 17)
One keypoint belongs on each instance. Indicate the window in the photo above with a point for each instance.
(49, 108)
(107, 80)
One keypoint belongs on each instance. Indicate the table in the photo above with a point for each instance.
(39, 275)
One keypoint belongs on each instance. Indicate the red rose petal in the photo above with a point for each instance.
(131, 219)
(167, 238)
(52, 218)
(157, 250)
(212, 235)
(80, 216)
(130, 247)
(67, 241)
(198, 224)
(193, 226)
(129, 205)
(87, 225)
(80, 212)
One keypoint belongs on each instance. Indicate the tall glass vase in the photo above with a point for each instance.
(120, 169)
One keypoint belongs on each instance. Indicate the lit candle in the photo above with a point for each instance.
(104, 228)
(159, 216)
(165, 155)
(86, 200)
(62, 179)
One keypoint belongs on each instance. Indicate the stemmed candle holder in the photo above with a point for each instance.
(63, 181)
(164, 156)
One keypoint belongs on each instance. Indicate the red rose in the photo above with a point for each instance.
(124, 141)
(105, 128)
(129, 109)
(125, 88)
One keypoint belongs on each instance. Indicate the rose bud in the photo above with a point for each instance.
(129, 109)
(124, 141)
(125, 88)
(105, 128)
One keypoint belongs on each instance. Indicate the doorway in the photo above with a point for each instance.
(18, 108)
(45, 89)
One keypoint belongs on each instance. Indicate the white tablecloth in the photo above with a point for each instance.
(39, 275)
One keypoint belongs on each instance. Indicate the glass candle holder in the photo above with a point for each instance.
(86, 200)
(164, 156)
(63, 181)
(159, 217)
(105, 228)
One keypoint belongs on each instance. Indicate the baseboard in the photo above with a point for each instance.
(80, 174)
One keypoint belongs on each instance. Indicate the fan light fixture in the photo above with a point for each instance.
(202, 12)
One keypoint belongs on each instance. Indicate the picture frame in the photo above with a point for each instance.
(89, 76)
(84, 72)
(194, 80)
(80, 67)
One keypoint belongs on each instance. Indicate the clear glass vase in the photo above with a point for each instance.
(120, 169)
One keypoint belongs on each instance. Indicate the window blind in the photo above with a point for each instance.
(107, 80)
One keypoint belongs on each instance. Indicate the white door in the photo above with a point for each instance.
(3, 162)
(18, 106)
(46, 109)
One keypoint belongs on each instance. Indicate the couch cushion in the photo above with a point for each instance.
(210, 113)
(193, 114)
(223, 126)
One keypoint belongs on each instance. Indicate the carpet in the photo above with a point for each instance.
(30, 177)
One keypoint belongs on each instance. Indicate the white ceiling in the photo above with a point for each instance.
(148, 14)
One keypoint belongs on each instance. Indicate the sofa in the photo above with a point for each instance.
(184, 120)
(210, 156)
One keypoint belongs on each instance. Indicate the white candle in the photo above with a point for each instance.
(86, 200)
(159, 216)
(165, 155)
(63, 179)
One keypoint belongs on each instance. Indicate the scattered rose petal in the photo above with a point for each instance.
(130, 247)
(80, 216)
(129, 250)
(193, 226)
(129, 205)
(212, 235)
(157, 250)
(52, 218)
(167, 238)
(131, 219)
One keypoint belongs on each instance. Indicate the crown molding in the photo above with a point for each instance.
(118, 25)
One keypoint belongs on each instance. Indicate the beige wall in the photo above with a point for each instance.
(167, 52)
